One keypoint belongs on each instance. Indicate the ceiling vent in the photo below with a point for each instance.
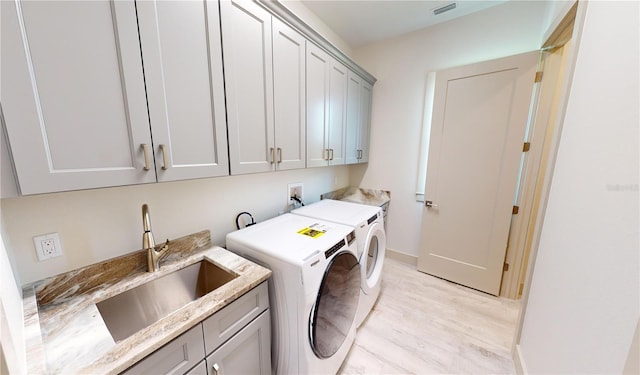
(443, 9)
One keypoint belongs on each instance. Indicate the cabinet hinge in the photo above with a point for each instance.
(515, 210)
(538, 77)
(526, 147)
(505, 267)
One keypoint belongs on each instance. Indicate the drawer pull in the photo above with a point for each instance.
(147, 157)
(165, 157)
(216, 369)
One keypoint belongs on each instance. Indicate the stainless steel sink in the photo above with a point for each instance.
(137, 308)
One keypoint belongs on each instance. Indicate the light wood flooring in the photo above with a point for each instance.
(425, 325)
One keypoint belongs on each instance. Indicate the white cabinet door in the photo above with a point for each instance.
(337, 112)
(352, 137)
(289, 96)
(182, 56)
(366, 97)
(246, 39)
(326, 108)
(318, 83)
(359, 95)
(73, 95)
(248, 352)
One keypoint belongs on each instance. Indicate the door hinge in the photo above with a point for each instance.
(526, 147)
(538, 77)
(505, 267)
(515, 210)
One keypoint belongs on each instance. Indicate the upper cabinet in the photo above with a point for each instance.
(326, 108)
(74, 98)
(182, 56)
(265, 80)
(359, 95)
(107, 93)
(289, 82)
(73, 95)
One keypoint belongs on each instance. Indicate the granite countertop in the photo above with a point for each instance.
(65, 333)
(372, 197)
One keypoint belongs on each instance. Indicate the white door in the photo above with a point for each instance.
(185, 88)
(366, 97)
(247, 44)
(318, 82)
(478, 125)
(74, 102)
(337, 112)
(352, 132)
(289, 104)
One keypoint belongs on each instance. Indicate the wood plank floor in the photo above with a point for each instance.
(425, 325)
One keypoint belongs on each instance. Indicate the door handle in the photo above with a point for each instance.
(430, 204)
(273, 155)
(147, 156)
(165, 157)
(279, 155)
(216, 369)
(331, 157)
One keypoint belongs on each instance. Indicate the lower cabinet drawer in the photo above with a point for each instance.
(226, 322)
(176, 357)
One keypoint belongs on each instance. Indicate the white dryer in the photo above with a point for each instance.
(371, 239)
(314, 289)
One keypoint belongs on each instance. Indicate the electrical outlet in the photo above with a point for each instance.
(295, 189)
(47, 246)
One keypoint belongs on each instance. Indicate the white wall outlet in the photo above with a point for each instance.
(295, 189)
(47, 246)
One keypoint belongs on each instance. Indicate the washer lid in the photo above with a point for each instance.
(291, 238)
(339, 211)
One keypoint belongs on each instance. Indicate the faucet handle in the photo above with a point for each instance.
(165, 246)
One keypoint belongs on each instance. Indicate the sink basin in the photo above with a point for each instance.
(137, 308)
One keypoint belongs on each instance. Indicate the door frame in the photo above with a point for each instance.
(542, 138)
(568, 24)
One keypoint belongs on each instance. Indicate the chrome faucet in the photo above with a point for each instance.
(148, 244)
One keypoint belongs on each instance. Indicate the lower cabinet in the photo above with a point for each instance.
(234, 340)
(248, 353)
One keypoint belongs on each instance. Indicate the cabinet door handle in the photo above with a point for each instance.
(279, 155)
(147, 157)
(273, 155)
(331, 153)
(165, 157)
(216, 369)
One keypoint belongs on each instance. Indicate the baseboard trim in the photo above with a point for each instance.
(402, 257)
(518, 361)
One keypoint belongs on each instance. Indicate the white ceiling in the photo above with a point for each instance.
(360, 22)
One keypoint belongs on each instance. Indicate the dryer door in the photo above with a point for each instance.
(334, 312)
(373, 257)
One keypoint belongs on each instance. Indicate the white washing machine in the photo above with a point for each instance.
(314, 289)
(371, 239)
